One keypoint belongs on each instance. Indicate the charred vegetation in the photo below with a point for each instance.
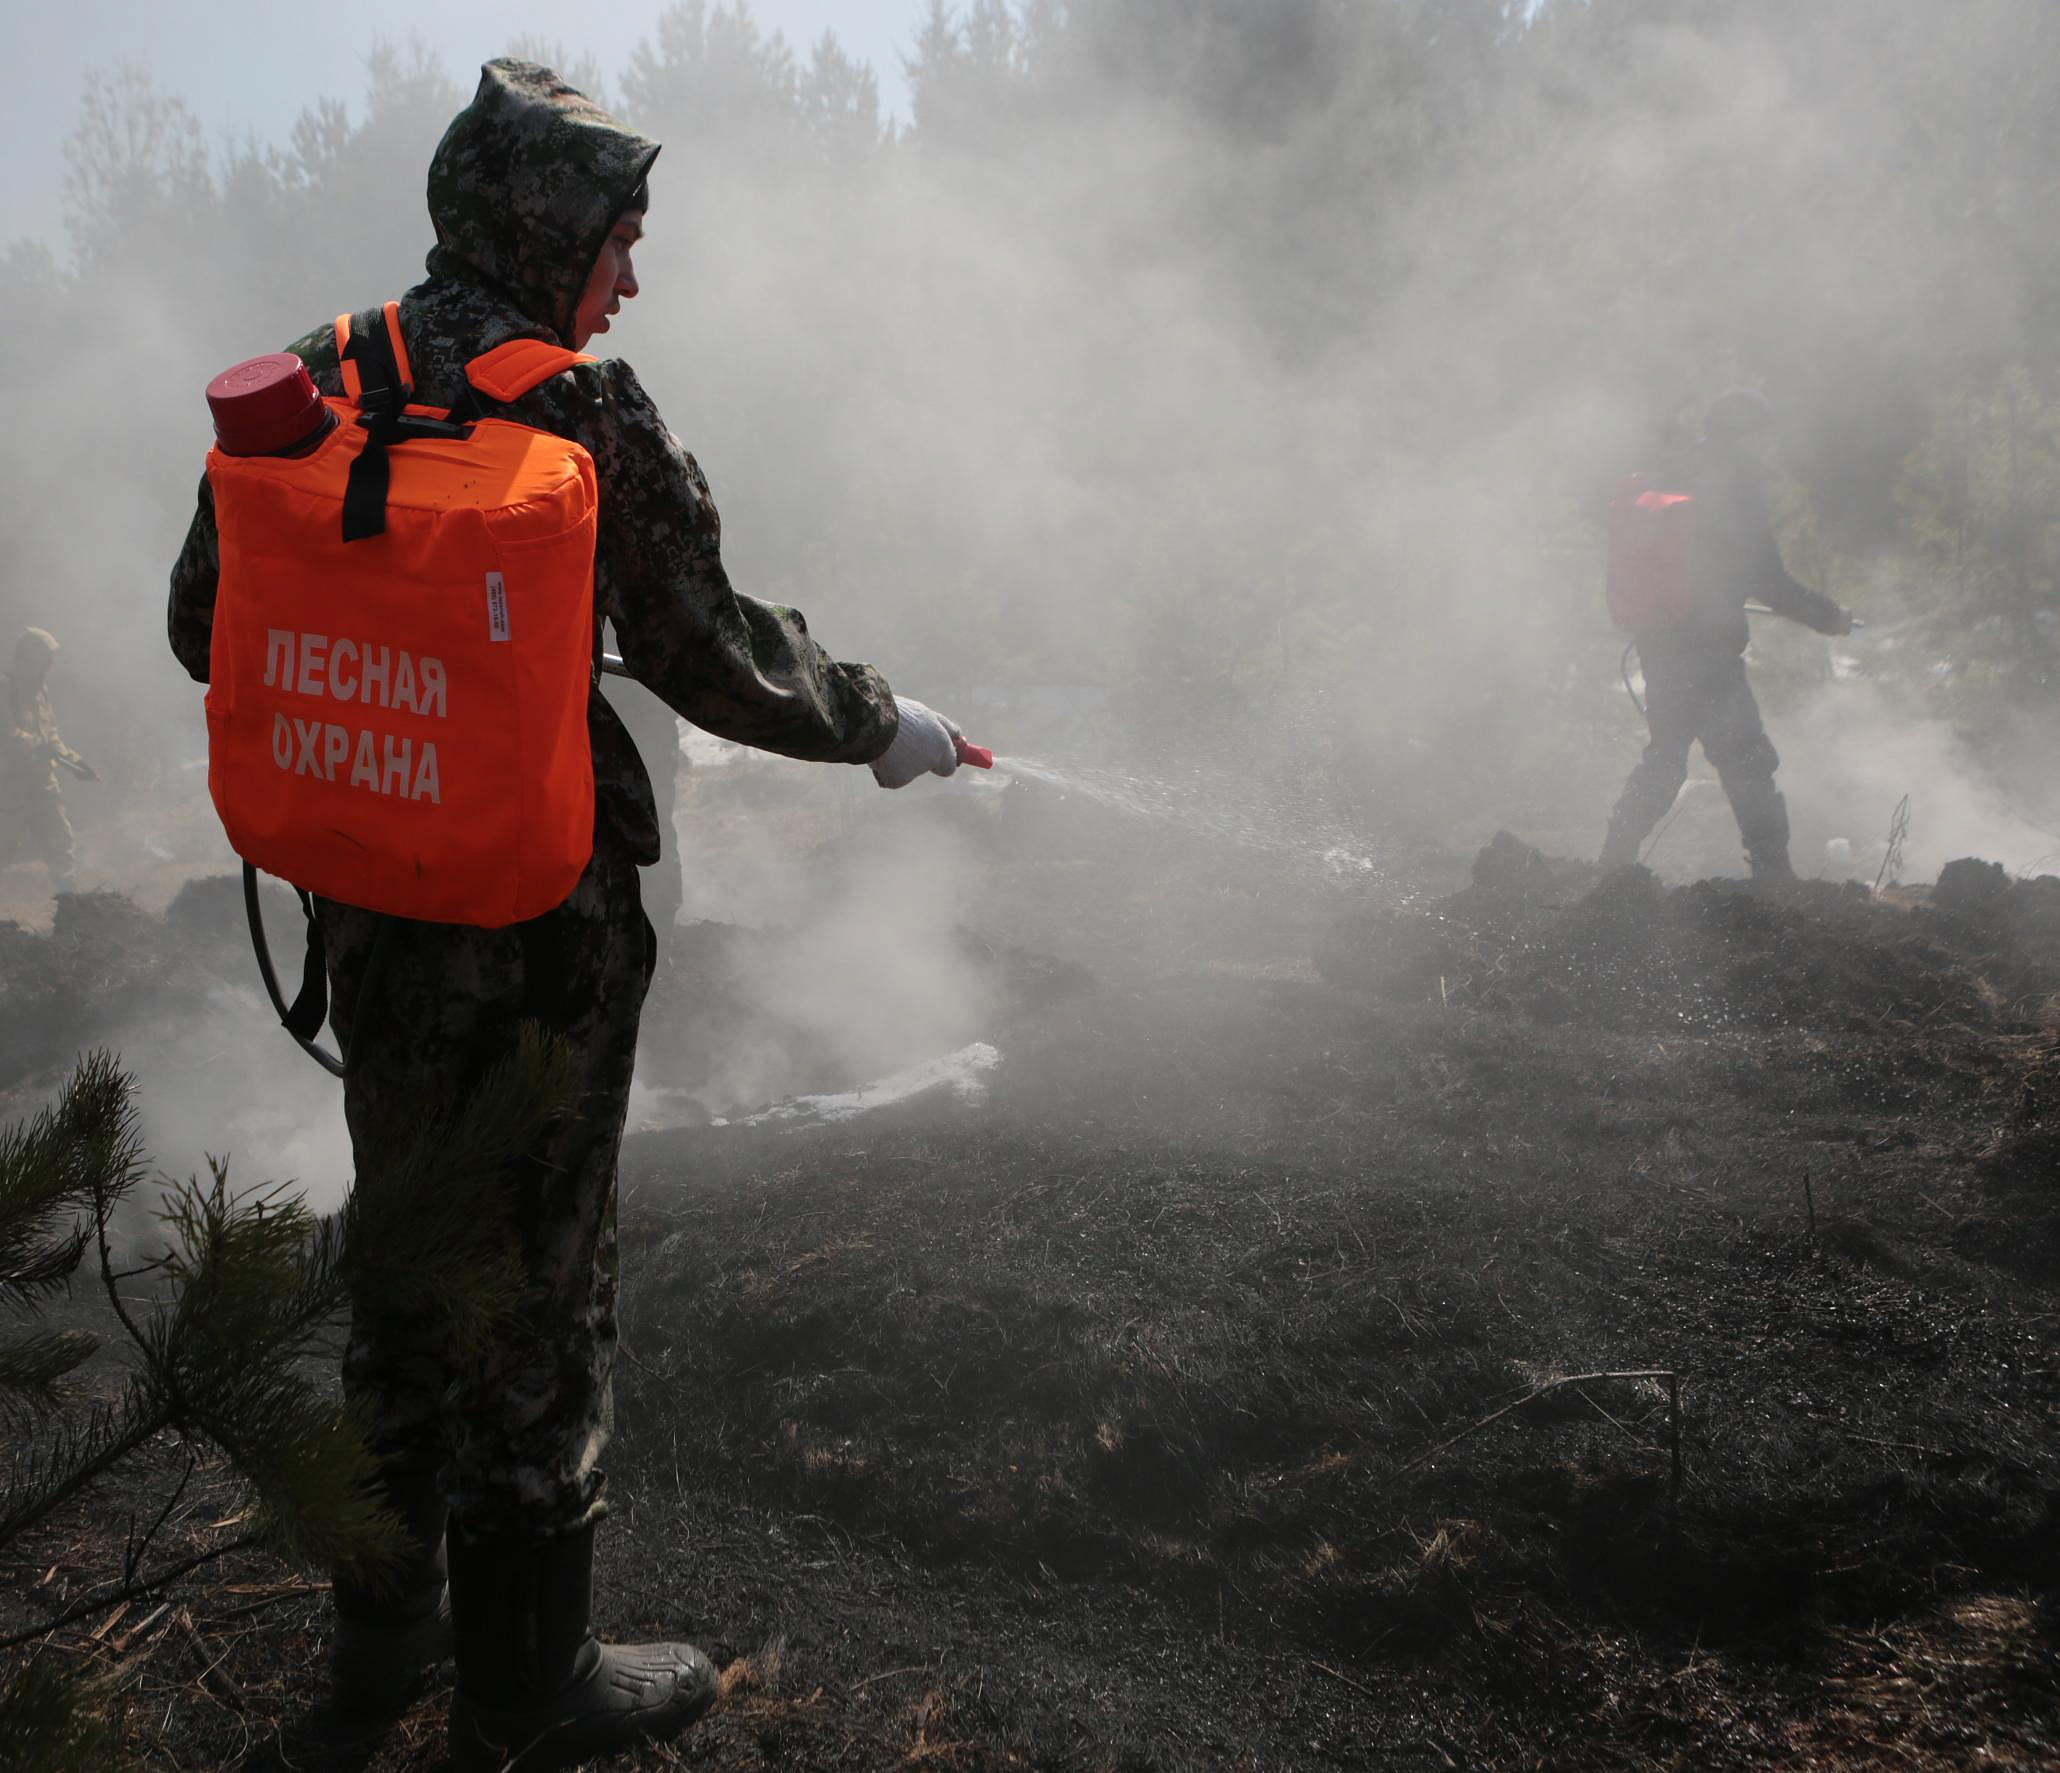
(1218, 1352)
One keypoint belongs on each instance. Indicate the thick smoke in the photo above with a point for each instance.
(1224, 384)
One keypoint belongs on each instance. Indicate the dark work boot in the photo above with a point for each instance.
(389, 1637)
(1619, 848)
(1763, 823)
(533, 1681)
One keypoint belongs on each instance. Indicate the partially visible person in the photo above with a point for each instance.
(1695, 682)
(32, 816)
(538, 198)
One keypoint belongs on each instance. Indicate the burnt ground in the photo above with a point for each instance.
(1189, 1400)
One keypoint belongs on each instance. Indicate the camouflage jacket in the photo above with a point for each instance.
(524, 189)
(1736, 558)
(33, 745)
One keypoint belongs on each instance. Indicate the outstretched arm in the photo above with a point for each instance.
(737, 667)
(1771, 582)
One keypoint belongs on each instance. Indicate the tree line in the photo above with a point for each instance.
(1182, 339)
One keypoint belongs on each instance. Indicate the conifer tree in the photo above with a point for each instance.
(251, 1286)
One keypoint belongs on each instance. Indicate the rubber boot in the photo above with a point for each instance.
(1765, 831)
(387, 1639)
(1619, 848)
(532, 1679)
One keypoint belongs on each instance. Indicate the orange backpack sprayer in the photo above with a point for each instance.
(403, 642)
(1649, 578)
(1650, 582)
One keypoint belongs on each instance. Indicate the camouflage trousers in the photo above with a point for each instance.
(519, 1434)
(1701, 693)
(32, 820)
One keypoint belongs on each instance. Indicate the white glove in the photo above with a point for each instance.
(924, 742)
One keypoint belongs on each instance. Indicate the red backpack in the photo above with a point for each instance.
(1650, 583)
(403, 646)
(403, 642)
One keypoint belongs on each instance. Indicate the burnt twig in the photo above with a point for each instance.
(212, 1675)
(139, 1549)
(1338, 1674)
(1674, 1427)
(1898, 835)
(1672, 1378)
(125, 1590)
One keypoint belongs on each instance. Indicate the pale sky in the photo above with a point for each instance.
(251, 66)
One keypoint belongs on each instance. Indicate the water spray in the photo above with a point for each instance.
(1207, 807)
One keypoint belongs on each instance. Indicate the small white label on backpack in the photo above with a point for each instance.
(496, 608)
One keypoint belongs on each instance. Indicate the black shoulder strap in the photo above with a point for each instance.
(373, 378)
(372, 358)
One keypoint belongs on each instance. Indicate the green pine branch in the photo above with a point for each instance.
(51, 1721)
(427, 1227)
(254, 1285)
(80, 1151)
(72, 1453)
(33, 1374)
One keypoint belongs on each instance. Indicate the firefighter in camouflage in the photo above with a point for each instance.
(31, 803)
(537, 196)
(1695, 684)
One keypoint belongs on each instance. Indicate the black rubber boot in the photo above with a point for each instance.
(533, 1682)
(1763, 824)
(388, 1638)
(1619, 849)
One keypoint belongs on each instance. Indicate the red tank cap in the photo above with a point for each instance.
(264, 405)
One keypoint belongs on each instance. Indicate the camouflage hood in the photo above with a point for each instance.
(33, 653)
(526, 184)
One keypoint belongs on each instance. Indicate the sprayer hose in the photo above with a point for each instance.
(1625, 667)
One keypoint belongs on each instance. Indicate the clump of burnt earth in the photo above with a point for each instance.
(1556, 942)
(109, 972)
(104, 960)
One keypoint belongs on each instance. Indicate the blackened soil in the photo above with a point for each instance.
(1210, 1396)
